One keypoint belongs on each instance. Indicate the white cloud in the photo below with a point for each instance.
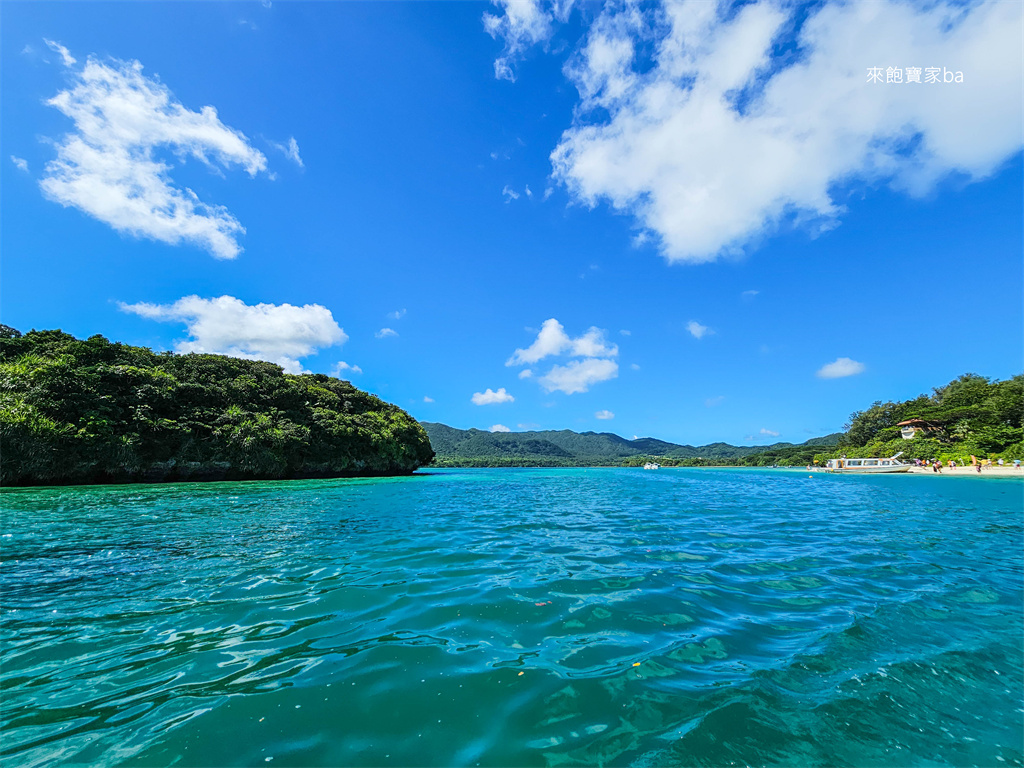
(427, 399)
(839, 368)
(769, 432)
(553, 340)
(490, 397)
(604, 415)
(278, 333)
(20, 163)
(522, 24)
(398, 314)
(108, 167)
(499, 428)
(593, 344)
(634, 366)
(578, 375)
(291, 151)
(697, 330)
(384, 333)
(711, 402)
(528, 425)
(687, 123)
(525, 373)
(749, 294)
(342, 366)
(624, 332)
(528, 192)
(509, 193)
(64, 53)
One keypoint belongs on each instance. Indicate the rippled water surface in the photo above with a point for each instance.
(516, 618)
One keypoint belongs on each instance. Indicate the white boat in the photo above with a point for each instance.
(652, 465)
(867, 466)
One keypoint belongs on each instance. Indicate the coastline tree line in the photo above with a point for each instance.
(972, 415)
(91, 411)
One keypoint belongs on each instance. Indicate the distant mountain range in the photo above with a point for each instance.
(565, 447)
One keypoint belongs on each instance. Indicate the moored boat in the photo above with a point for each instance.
(867, 466)
(652, 465)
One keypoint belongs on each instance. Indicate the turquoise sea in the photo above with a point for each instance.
(516, 618)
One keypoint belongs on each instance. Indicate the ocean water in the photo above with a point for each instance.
(516, 618)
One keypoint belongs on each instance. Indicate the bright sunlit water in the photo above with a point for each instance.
(516, 618)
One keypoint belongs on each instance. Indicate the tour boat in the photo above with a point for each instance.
(868, 466)
(652, 465)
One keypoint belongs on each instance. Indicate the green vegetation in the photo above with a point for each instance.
(564, 448)
(972, 415)
(92, 411)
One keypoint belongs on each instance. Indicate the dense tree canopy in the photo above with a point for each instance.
(972, 415)
(82, 411)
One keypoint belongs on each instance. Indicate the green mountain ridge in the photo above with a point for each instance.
(476, 447)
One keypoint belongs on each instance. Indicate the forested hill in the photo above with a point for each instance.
(474, 447)
(970, 416)
(91, 411)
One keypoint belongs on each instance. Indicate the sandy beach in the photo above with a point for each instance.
(994, 471)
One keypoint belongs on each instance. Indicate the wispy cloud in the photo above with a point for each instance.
(523, 23)
(604, 415)
(769, 432)
(65, 55)
(278, 333)
(385, 333)
(840, 368)
(109, 167)
(20, 163)
(525, 373)
(697, 330)
(711, 402)
(509, 194)
(490, 397)
(427, 399)
(343, 367)
(291, 151)
(398, 314)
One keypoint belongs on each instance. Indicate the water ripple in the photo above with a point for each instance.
(515, 617)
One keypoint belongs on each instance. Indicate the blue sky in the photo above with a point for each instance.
(722, 210)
